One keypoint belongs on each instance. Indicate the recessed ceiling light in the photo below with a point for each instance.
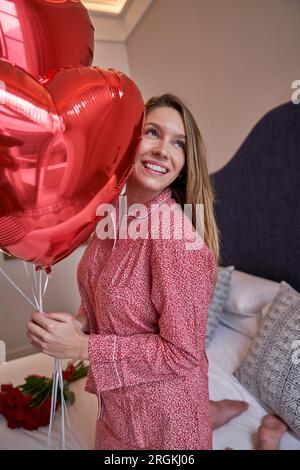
(105, 6)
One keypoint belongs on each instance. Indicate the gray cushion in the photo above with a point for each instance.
(271, 370)
(219, 298)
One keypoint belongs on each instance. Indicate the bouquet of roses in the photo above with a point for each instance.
(29, 405)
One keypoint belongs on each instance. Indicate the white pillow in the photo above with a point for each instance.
(245, 324)
(219, 297)
(248, 325)
(249, 294)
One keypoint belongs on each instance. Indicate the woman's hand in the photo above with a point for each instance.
(83, 321)
(58, 334)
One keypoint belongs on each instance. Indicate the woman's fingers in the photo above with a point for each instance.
(35, 341)
(43, 326)
(41, 320)
(36, 330)
(38, 337)
(42, 344)
(60, 316)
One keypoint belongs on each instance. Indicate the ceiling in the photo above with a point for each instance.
(112, 7)
(114, 20)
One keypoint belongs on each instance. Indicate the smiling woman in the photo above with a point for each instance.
(144, 301)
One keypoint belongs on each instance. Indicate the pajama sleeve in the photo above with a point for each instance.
(181, 289)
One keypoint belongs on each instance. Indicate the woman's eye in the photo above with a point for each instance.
(151, 131)
(180, 144)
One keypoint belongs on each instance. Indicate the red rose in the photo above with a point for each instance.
(67, 375)
(31, 420)
(6, 387)
(20, 414)
(14, 397)
(45, 413)
(13, 424)
(21, 405)
(47, 404)
(12, 421)
(26, 399)
(2, 401)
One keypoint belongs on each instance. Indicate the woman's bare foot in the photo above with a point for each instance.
(270, 432)
(223, 411)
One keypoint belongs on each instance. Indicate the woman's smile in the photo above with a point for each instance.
(154, 168)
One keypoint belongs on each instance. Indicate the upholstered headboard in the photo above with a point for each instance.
(258, 199)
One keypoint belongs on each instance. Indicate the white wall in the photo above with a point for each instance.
(111, 54)
(232, 60)
(61, 296)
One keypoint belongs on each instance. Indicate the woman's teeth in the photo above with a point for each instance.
(157, 168)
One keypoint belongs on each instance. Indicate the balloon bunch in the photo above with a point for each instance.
(69, 133)
(68, 136)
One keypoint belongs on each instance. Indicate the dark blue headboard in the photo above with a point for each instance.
(258, 199)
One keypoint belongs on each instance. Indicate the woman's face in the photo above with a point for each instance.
(162, 151)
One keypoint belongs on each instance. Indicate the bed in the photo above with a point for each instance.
(259, 219)
(224, 354)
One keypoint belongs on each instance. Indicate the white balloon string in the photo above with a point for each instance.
(57, 376)
(35, 281)
(46, 284)
(30, 283)
(58, 380)
(53, 405)
(16, 287)
(67, 415)
(62, 401)
(40, 292)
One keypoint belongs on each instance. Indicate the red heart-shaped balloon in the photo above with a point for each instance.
(45, 35)
(66, 146)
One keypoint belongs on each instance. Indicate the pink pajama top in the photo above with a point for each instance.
(147, 301)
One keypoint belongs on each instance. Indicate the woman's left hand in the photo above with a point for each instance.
(58, 335)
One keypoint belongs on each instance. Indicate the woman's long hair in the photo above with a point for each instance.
(193, 186)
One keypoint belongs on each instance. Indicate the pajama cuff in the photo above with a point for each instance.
(103, 367)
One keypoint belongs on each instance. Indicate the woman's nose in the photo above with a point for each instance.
(160, 149)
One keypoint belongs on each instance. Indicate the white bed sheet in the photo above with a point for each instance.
(225, 353)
